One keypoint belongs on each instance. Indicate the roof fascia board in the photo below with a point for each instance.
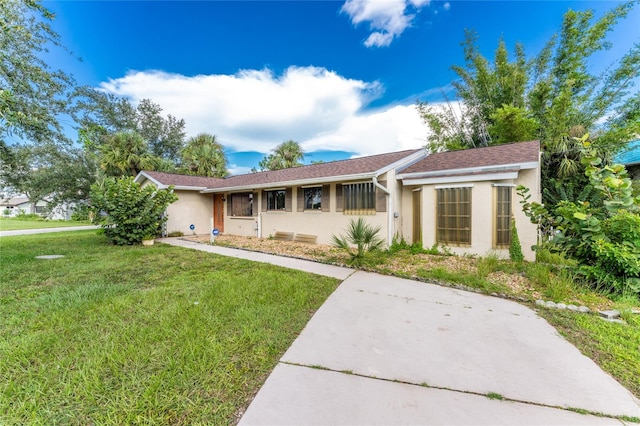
(470, 170)
(300, 182)
(187, 188)
(457, 179)
(403, 162)
(156, 182)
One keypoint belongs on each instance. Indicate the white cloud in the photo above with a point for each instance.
(254, 110)
(387, 18)
(386, 130)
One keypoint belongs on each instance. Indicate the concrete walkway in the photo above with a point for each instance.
(45, 230)
(384, 350)
(287, 262)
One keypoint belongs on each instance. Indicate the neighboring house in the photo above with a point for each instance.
(14, 206)
(462, 199)
(630, 158)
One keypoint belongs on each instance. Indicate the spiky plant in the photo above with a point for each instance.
(361, 235)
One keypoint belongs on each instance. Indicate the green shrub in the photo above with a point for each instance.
(175, 234)
(515, 250)
(605, 241)
(361, 235)
(127, 212)
(31, 216)
(81, 213)
(488, 264)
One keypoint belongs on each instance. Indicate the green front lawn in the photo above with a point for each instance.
(14, 223)
(614, 347)
(152, 335)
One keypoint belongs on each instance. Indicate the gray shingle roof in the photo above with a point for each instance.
(497, 155)
(354, 166)
(182, 180)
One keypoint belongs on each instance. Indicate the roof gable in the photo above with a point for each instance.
(179, 181)
(472, 160)
(14, 201)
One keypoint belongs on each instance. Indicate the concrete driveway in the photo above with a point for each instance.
(384, 350)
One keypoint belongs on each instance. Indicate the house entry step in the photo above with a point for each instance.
(283, 236)
(305, 238)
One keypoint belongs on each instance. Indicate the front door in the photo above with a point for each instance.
(218, 212)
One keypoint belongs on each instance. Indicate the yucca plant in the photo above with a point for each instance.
(361, 235)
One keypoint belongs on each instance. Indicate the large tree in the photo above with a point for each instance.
(553, 97)
(287, 154)
(33, 96)
(52, 172)
(204, 156)
(126, 154)
(101, 115)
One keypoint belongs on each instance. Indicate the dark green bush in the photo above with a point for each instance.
(127, 212)
(605, 241)
(515, 249)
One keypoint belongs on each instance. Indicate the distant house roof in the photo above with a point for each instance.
(12, 202)
(629, 156)
(163, 180)
(343, 170)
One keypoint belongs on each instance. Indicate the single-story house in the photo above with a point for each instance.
(15, 206)
(463, 199)
(193, 211)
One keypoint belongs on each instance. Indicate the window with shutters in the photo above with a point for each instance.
(359, 198)
(313, 198)
(241, 204)
(276, 200)
(503, 196)
(453, 214)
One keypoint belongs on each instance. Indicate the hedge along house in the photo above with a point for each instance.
(465, 200)
(461, 199)
(192, 207)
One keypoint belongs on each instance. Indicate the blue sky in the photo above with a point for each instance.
(341, 78)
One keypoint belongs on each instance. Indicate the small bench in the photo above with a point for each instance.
(305, 238)
(283, 236)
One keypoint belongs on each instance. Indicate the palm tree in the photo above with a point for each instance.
(126, 153)
(204, 156)
(361, 235)
(290, 153)
(287, 154)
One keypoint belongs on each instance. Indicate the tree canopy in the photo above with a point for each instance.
(287, 154)
(204, 156)
(101, 115)
(33, 96)
(553, 96)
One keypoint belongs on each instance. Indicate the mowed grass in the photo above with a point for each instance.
(614, 347)
(15, 223)
(140, 335)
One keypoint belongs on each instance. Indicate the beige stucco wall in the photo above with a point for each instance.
(483, 211)
(192, 207)
(321, 224)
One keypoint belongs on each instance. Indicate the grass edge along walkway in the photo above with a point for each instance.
(135, 334)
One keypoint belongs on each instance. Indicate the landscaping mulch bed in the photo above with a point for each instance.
(402, 264)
